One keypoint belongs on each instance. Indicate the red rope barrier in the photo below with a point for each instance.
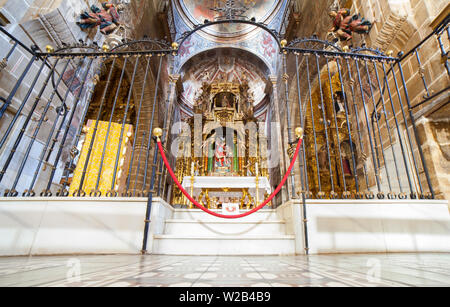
(197, 204)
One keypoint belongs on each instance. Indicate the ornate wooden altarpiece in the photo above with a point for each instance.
(230, 146)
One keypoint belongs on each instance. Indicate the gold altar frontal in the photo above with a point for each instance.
(212, 191)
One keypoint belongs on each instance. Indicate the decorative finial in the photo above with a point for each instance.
(157, 132)
(299, 133)
(283, 43)
(105, 47)
(346, 49)
(49, 49)
(390, 53)
(175, 46)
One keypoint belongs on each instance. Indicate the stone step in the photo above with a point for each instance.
(226, 245)
(224, 228)
(199, 215)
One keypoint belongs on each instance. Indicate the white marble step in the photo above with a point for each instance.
(199, 215)
(226, 245)
(224, 227)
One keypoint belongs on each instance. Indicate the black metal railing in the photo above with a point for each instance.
(91, 104)
(42, 143)
(357, 110)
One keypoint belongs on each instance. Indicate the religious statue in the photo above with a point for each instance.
(339, 102)
(106, 17)
(323, 158)
(346, 150)
(197, 168)
(221, 154)
(249, 104)
(345, 24)
(226, 103)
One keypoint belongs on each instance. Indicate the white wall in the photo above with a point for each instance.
(43, 226)
(355, 226)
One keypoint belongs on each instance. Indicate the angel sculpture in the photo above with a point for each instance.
(345, 24)
(106, 17)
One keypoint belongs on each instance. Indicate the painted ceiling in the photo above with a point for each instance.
(199, 10)
(227, 51)
(225, 65)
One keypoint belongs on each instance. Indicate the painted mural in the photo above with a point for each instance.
(262, 44)
(225, 66)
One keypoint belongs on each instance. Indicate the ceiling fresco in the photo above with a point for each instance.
(256, 41)
(218, 53)
(224, 65)
(199, 10)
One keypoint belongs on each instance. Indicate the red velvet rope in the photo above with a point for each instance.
(197, 204)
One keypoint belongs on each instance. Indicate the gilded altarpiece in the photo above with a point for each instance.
(229, 145)
(103, 157)
(338, 152)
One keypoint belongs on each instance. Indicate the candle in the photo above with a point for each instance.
(256, 169)
(192, 169)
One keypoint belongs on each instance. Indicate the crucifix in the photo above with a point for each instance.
(230, 11)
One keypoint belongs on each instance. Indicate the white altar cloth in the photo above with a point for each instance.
(219, 182)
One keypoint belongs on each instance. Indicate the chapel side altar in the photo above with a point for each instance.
(226, 159)
(212, 191)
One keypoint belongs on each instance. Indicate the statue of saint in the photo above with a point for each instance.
(221, 154)
(106, 17)
(225, 102)
(346, 150)
(339, 102)
(249, 169)
(344, 24)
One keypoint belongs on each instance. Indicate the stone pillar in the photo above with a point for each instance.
(171, 97)
(282, 156)
(142, 139)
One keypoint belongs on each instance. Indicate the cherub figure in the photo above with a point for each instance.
(106, 17)
(344, 24)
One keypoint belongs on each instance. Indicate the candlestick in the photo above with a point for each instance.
(192, 184)
(257, 185)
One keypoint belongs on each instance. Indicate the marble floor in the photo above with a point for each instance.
(383, 270)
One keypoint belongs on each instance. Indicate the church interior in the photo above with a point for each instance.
(225, 143)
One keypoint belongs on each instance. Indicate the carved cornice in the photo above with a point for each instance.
(389, 31)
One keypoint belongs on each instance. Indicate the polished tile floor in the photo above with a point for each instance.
(383, 270)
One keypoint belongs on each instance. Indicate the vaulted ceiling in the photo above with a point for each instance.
(197, 11)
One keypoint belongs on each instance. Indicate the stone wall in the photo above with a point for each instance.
(400, 26)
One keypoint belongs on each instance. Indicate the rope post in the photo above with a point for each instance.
(192, 183)
(256, 185)
(157, 133)
(299, 133)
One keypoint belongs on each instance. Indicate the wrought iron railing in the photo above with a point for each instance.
(373, 149)
(41, 143)
(355, 106)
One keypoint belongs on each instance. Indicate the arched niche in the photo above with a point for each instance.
(225, 65)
